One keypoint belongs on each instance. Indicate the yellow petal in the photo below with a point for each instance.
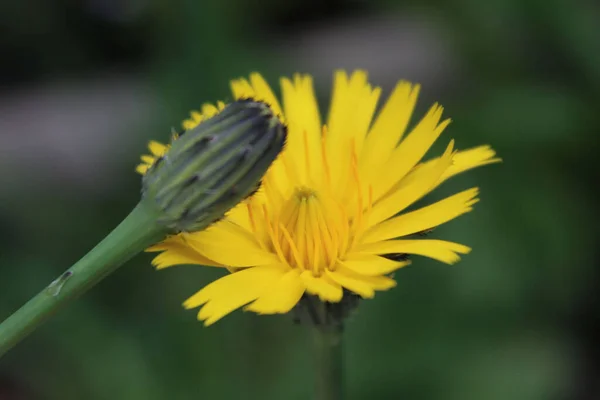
(388, 128)
(410, 151)
(166, 243)
(242, 280)
(142, 168)
(239, 215)
(324, 287)
(469, 159)
(241, 89)
(232, 291)
(304, 127)
(277, 178)
(208, 111)
(158, 149)
(446, 252)
(197, 116)
(264, 93)
(357, 283)
(189, 124)
(352, 107)
(280, 296)
(231, 245)
(424, 218)
(371, 265)
(380, 282)
(148, 159)
(176, 251)
(462, 161)
(407, 195)
(179, 253)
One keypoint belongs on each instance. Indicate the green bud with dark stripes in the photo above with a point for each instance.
(211, 168)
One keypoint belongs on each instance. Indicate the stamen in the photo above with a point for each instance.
(251, 218)
(367, 213)
(301, 236)
(329, 256)
(333, 225)
(258, 235)
(355, 174)
(312, 215)
(345, 234)
(310, 233)
(306, 156)
(293, 247)
(316, 270)
(287, 218)
(289, 170)
(273, 193)
(275, 228)
(312, 242)
(273, 237)
(358, 222)
(335, 241)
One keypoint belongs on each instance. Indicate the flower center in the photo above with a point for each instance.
(312, 231)
(310, 228)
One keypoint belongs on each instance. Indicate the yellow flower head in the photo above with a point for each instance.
(328, 214)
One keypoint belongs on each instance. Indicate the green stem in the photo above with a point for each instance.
(136, 232)
(329, 383)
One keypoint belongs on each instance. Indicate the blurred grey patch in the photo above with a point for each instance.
(390, 48)
(74, 132)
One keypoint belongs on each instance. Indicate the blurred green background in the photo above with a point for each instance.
(86, 83)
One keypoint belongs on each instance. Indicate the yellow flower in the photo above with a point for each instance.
(329, 209)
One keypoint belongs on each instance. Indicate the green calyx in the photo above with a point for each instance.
(211, 168)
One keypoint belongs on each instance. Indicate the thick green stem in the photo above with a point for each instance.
(136, 232)
(329, 382)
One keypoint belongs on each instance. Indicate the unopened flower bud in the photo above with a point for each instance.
(212, 167)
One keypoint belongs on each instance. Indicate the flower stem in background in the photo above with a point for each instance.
(136, 232)
(327, 322)
(329, 382)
